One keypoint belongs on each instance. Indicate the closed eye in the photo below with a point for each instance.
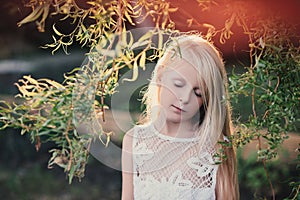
(178, 83)
(197, 92)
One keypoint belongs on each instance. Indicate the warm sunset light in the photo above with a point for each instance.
(149, 99)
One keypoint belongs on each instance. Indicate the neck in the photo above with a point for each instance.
(183, 129)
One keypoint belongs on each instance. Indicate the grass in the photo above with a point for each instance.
(35, 181)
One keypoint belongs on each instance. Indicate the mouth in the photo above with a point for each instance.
(178, 109)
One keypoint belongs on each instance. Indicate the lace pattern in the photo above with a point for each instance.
(171, 168)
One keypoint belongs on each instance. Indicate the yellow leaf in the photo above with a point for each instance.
(46, 12)
(261, 42)
(129, 6)
(172, 9)
(107, 73)
(91, 3)
(164, 20)
(54, 83)
(31, 80)
(143, 60)
(124, 37)
(24, 92)
(146, 36)
(208, 26)
(130, 39)
(139, 44)
(129, 18)
(56, 31)
(126, 58)
(189, 22)
(34, 15)
(135, 72)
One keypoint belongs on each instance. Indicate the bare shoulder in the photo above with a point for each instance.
(127, 139)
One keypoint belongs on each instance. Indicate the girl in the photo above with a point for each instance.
(172, 155)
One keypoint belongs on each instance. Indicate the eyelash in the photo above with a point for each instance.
(198, 94)
(178, 84)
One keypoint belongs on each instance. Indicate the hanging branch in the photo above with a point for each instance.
(49, 111)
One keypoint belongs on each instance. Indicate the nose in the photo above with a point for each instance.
(185, 96)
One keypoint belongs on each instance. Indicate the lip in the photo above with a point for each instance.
(177, 109)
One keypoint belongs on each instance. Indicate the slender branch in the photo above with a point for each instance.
(269, 179)
(70, 144)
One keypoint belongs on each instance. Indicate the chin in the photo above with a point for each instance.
(174, 120)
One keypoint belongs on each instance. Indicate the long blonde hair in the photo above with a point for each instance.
(216, 122)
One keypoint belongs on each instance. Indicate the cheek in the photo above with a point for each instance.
(197, 106)
(197, 103)
(166, 95)
(200, 102)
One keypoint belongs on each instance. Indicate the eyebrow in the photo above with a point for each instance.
(177, 76)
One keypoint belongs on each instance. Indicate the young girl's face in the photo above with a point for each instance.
(180, 93)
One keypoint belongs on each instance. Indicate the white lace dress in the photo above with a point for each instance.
(169, 168)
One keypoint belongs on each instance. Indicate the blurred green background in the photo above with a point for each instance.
(23, 171)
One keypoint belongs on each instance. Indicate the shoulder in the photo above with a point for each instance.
(136, 133)
(128, 138)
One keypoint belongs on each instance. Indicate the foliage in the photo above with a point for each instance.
(41, 99)
(275, 98)
(50, 111)
(253, 179)
(46, 108)
(271, 81)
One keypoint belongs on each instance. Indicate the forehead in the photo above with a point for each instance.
(181, 68)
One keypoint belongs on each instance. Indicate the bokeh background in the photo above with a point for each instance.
(23, 171)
